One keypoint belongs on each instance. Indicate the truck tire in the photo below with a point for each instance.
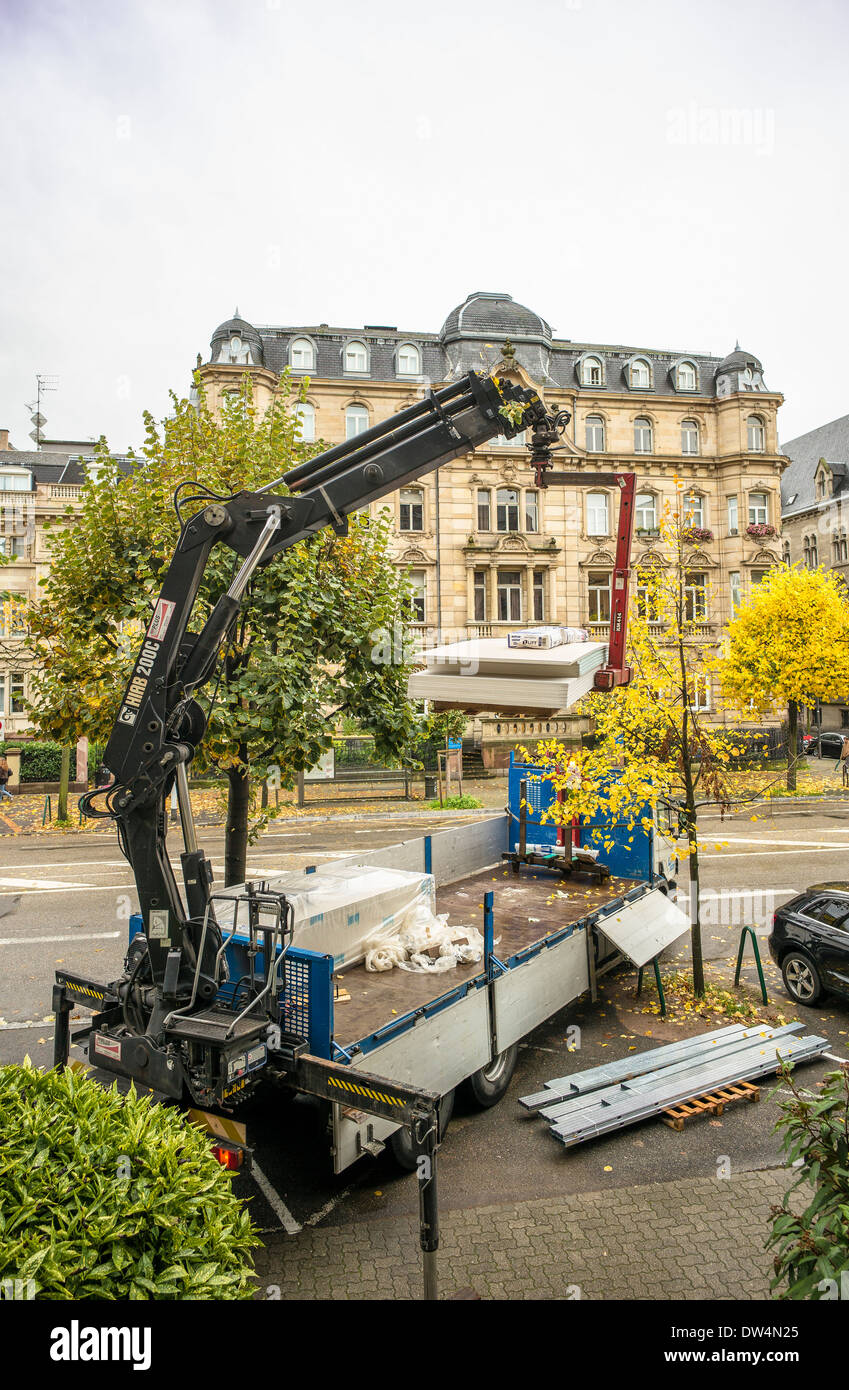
(801, 978)
(401, 1142)
(487, 1086)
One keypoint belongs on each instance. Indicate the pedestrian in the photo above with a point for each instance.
(103, 777)
(843, 760)
(5, 774)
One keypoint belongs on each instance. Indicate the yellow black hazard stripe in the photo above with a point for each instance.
(384, 1096)
(76, 987)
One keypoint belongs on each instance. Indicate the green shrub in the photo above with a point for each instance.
(41, 762)
(456, 803)
(105, 1196)
(812, 1248)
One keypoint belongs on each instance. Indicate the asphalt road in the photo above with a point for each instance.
(76, 894)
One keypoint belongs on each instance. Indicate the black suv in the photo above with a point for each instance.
(831, 745)
(810, 942)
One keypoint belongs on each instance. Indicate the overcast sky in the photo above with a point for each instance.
(656, 174)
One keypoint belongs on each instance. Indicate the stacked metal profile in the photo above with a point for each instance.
(621, 1093)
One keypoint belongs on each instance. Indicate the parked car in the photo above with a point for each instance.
(832, 744)
(810, 942)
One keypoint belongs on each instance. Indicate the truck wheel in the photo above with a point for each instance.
(488, 1085)
(801, 978)
(401, 1142)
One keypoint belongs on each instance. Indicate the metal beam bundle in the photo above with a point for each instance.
(622, 1093)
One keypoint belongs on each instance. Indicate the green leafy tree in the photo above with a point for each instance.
(789, 646)
(309, 644)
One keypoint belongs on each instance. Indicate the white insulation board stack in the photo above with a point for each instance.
(486, 673)
(340, 906)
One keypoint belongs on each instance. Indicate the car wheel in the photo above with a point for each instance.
(801, 978)
(487, 1086)
(401, 1142)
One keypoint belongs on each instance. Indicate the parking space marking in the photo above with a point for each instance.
(275, 1201)
(65, 940)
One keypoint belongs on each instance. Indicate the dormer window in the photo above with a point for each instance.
(592, 371)
(686, 378)
(639, 374)
(409, 360)
(823, 488)
(235, 351)
(755, 434)
(356, 356)
(302, 355)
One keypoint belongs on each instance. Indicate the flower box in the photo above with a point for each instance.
(760, 531)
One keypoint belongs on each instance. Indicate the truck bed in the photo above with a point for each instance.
(525, 910)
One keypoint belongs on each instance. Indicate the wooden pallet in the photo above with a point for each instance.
(711, 1103)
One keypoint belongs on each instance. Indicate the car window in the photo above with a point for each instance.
(832, 912)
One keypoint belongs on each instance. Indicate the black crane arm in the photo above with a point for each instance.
(159, 723)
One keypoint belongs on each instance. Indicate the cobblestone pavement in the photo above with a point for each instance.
(693, 1239)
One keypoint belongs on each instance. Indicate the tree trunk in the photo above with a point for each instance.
(236, 830)
(792, 744)
(64, 779)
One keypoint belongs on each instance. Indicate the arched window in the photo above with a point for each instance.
(592, 372)
(689, 437)
(306, 416)
(301, 355)
(685, 376)
(356, 356)
(642, 435)
(595, 434)
(639, 374)
(755, 431)
(356, 420)
(597, 514)
(786, 555)
(814, 553)
(645, 511)
(409, 360)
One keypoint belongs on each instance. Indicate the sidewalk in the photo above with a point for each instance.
(693, 1239)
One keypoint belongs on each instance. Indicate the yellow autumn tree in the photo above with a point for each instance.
(789, 647)
(656, 739)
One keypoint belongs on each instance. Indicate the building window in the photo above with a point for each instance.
(502, 442)
(646, 511)
(844, 718)
(648, 600)
(539, 596)
(12, 547)
(598, 582)
(642, 435)
(821, 486)
(755, 432)
(758, 509)
(699, 692)
(689, 437)
(418, 582)
(734, 585)
(510, 596)
(411, 509)
(639, 375)
(685, 376)
(409, 360)
(786, 553)
(484, 509)
(356, 420)
(592, 372)
(306, 421)
(732, 516)
(16, 693)
(694, 509)
(758, 577)
(302, 355)
(480, 596)
(695, 598)
(356, 357)
(532, 511)
(507, 509)
(15, 480)
(597, 523)
(595, 434)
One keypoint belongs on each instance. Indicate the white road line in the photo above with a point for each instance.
(65, 940)
(739, 892)
(12, 1027)
(275, 1201)
(759, 840)
(327, 1208)
(765, 854)
(73, 864)
(58, 884)
(78, 888)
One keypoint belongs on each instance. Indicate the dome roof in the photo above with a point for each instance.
(486, 314)
(237, 325)
(738, 361)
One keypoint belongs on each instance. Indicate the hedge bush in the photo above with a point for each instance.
(40, 761)
(104, 1196)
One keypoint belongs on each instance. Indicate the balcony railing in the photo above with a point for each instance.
(64, 491)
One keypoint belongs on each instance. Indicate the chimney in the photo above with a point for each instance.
(4, 439)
